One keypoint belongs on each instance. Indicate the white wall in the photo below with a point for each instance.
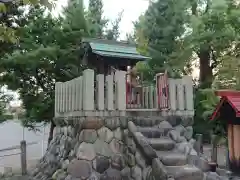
(11, 133)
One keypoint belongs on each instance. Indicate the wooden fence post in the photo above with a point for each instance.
(23, 148)
(214, 148)
(199, 143)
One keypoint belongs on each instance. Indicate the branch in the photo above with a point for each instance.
(194, 7)
(214, 59)
(39, 80)
(207, 7)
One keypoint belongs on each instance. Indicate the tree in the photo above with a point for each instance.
(5, 99)
(161, 28)
(113, 33)
(95, 19)
(212, 34)
(48, 51)
(11, 18)
(7, 9)
(205, 31)
(74, 16)
(97, 24)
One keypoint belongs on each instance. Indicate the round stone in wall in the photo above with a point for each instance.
(131, 144)
(174, 135)
(111, 174)
(94, 176)
(112, 123)
(101, 164)
(187, 121)
(117, 161)
(180, 129)
(102, 148)
(123, 122)
(188, 133)
(105, 134)
(88, 136)
(79, 169)
(116, 146)
(174, 120)
(165, 125)
(92, 123)
(118, 134)
(131, 159)
(140, 160)
(126, 173)
(86, 151)
(136, 173)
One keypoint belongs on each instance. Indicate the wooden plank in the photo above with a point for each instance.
(100, 91)
(180, 94)
(88, 90)
(172, 94)
(120, 77)
(57, 97)
(187, 81)
(109, 88)
(79, 95)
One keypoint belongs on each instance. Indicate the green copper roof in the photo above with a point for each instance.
(115, 49)
(120, 55)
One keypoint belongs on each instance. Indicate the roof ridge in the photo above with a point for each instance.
(106, 41)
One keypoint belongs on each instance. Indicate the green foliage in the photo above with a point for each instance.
(95, 19)
(158, 34)
(113, 33)
(177, 34)
(47, 51)
(205, 104)
(5, 99)
(8, 33)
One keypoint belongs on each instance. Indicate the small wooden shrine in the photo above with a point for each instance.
(106, 55)
(228, 110)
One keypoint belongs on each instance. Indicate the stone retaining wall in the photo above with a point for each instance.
(112, 149)
(84, 148)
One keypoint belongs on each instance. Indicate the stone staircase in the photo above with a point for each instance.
(175, 162)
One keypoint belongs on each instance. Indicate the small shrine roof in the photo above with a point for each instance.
(111, 48)
(231, 97)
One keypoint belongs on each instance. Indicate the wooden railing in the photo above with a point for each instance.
(90, 93)
(93, 94)
(165, 94)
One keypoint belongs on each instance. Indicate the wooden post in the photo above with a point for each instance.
(23, 148)
(214, 148)
(88, 90)
(100, 92)
(120, 79)
(180, 94)
(199, 144)
(227, 159)
(172, 94)
(110, 97)
(187, 80)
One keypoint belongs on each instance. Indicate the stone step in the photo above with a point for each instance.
(152, 132)
(187, 172)
(170, 158)
(161, 144)
(147, 122)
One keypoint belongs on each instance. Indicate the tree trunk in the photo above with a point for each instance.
(50, 137)
(205, 74)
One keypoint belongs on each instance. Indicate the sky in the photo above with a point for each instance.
(132, 10)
